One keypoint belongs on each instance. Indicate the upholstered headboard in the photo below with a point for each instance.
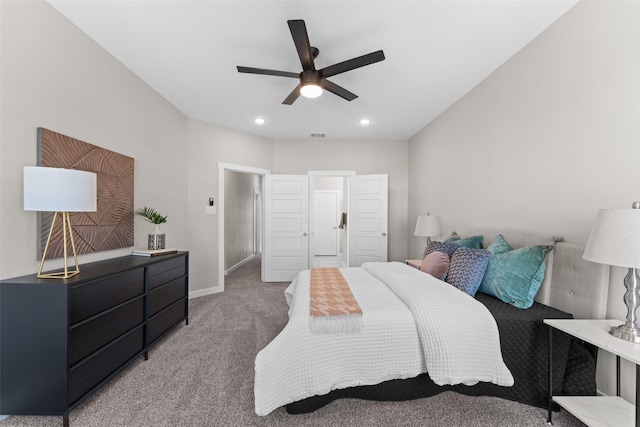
(577, 286)
(570, 283)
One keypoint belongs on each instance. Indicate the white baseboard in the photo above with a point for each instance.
(204, 292)
(240, 264)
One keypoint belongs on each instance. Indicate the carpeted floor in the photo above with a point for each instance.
(202, 375)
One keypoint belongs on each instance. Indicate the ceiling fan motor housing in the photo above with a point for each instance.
(311, 77)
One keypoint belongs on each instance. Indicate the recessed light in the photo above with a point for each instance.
(365, 122)
(258, 121)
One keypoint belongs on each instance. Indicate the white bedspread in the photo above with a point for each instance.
(298, 364)
(458, 334)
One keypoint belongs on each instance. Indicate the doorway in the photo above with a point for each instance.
(328, 246)
(253, 197)
(242, 226)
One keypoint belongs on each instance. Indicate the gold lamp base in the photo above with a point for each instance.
(66, 231)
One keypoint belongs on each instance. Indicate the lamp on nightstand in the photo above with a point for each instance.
(61, 191)
(615, 240)
(428, 226)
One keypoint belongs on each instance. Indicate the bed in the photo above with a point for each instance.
(388, 358)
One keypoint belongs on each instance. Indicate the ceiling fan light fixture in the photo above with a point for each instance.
(313, 82)
(311, 90)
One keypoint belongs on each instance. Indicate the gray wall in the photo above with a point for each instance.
(208, 145)
(52, 75)
(545, 141)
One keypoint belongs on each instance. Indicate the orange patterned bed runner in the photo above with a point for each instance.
(333, 307)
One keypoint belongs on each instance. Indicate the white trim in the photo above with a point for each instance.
(221, 168)
(331, 173)
(246, 169)
(205, 292)
(240, 264)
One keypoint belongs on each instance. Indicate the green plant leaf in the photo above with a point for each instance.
(151, 215)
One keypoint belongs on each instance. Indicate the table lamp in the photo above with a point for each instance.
(60, 191)
(428, 226)
(615, 240)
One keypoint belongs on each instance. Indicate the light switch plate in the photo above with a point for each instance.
(210, 210)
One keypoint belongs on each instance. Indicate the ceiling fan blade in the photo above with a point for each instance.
(338, 90)
(292, 96)
(360, 61)
(301, 40)
(251, 70)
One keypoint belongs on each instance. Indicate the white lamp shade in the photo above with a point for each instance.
(427, 226)
(59, 190)
(615, 238)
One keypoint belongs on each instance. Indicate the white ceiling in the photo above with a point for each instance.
(436, 51)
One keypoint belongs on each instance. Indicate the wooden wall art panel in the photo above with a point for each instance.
(111, 226)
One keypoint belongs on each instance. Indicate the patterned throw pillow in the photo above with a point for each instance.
(436, 264)
(467, 268)
(447, 248)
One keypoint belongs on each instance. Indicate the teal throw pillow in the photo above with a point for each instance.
(452, 237)
(473, 242)
(499, 245)
(515, 276)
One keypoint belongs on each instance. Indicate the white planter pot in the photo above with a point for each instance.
(156, 239)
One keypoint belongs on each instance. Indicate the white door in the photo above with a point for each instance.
(326, 222)
(286, 228)
(368, 204)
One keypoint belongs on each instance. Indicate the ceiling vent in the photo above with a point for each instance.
(318, 135)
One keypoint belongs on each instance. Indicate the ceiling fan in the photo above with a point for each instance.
(313, 81)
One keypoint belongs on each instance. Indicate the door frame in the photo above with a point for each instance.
(222, 167)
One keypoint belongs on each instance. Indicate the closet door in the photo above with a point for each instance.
(286, 243)
(368, 217)
(326, 218)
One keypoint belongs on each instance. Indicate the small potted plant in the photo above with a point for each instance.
(156, 238)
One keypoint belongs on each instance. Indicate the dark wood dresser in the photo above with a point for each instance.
(61, 340)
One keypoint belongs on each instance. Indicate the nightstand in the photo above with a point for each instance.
(414, 263)
(599, 410)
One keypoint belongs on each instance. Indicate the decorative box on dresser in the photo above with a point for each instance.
(61, 340)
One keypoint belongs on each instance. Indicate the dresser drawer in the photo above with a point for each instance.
(89, 336)
(91, 372)
(165, 271)
(91, 298)
(161, 322)
(166, 295)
